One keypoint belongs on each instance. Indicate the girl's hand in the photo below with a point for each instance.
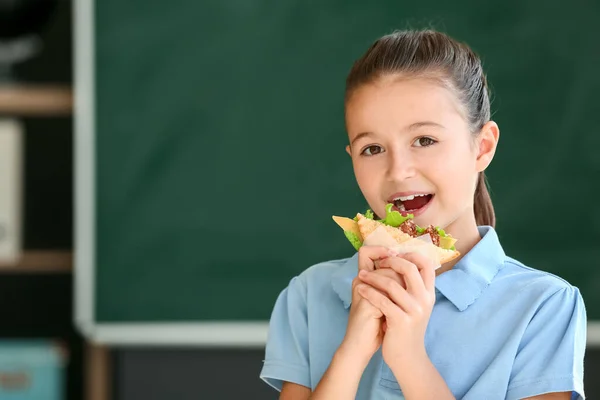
(406, 309)
(363, 333)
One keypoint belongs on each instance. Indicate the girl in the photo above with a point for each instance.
(380, 325)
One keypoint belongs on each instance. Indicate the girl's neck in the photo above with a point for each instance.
(464, 229)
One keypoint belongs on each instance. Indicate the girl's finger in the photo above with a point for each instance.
(391, 274)
(367, 255)
(390, 288)
(426, 269)
(381, 302)
(410, 272)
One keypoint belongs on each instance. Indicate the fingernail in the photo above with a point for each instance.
(393, 253)
(362, 272)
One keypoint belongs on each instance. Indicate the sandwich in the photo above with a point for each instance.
(400, 232)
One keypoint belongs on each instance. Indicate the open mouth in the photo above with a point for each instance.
(411, 203)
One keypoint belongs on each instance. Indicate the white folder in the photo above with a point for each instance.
(11, 196)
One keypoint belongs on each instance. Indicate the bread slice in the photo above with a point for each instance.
(435, 252)
(366, 226)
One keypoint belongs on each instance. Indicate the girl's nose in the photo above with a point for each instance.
(400, 166)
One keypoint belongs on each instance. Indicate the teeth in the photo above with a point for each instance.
(410, 197)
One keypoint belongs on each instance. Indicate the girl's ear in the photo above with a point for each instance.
(487, 141)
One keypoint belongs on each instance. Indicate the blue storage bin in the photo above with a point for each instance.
(32, 370)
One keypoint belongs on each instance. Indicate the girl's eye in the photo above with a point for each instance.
(424, 141)
(372, 150)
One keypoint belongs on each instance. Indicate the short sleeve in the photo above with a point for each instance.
(286, 351)
(550, 356)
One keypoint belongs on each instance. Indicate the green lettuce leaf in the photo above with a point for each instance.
(368, 214)
(354, 239)
(393, 217)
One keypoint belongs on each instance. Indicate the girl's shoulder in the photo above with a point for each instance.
(537, 289)
(522, 275)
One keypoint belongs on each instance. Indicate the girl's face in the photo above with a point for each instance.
(411, 145)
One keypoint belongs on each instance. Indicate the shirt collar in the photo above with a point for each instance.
(469, 278)
(341, 280)
(462, 285)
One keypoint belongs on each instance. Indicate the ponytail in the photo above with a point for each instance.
(484, 209)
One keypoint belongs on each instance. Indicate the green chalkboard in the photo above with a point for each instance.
(218, 143)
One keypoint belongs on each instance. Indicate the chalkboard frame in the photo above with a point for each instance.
(228, 334)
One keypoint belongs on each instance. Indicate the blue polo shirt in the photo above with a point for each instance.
(498, 330)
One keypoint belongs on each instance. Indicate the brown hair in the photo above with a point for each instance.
(437, 56)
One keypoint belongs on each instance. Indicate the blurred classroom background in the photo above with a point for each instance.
(166, 167)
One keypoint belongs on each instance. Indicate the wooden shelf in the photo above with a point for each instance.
(36, 100)
(98, 372)
(41, 261)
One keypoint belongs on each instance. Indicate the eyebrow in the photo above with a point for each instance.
(422, 124)
(411, 127)
(360, 136)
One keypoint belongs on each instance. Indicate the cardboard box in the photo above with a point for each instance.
(32, 370)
